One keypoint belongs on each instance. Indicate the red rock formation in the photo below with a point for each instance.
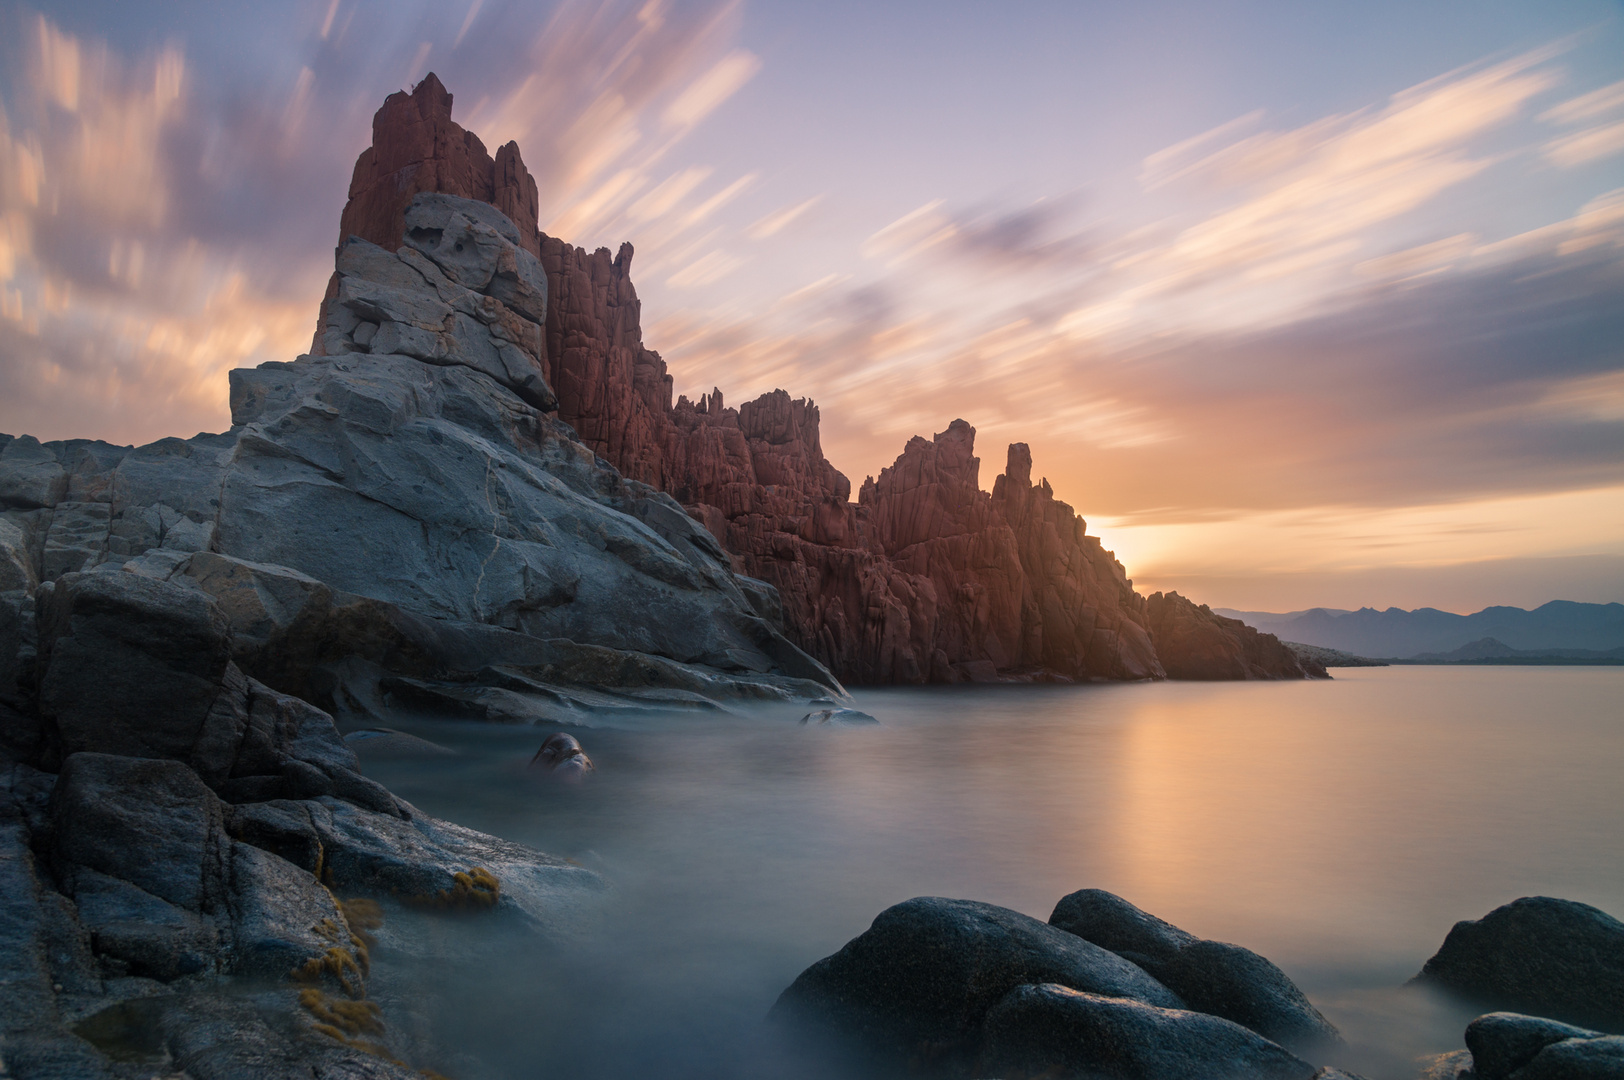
(416, 147)
(1197, 643)
(926, 578)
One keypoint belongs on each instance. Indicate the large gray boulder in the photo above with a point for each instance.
(1502, 1043)
(1060, 1033)
(917, 984)
(1211, 976)
(1541, 956)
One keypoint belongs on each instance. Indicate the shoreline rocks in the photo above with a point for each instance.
(1538, 955)
(192, 868)
(1212, 977)
(959, 988)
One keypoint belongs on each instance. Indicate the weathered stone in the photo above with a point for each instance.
(276, 909)
(923, 976)
(1577, 1059)
(1211, 976)
(129, 665)
(153, 824)
(1058, 1032)
(1503, 1042)
(1541, 956)
(30, 474)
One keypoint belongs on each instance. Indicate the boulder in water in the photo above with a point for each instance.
(838, 716)
(1213, 977)
(1502, 1043)
(1541, 956)
(562, 758)
(1062, 1034)
(917, 984)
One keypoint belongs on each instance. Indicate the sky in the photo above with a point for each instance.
(1299, 305)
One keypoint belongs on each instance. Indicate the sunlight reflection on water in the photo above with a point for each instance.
(1338, 828)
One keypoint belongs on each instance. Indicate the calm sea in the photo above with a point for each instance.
(1339, 828)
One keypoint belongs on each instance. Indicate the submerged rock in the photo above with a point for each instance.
(1211, 976)
(1541, 956)
(838, 716)
(562, 758)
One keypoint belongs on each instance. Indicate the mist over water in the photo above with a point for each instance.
(1337, 828)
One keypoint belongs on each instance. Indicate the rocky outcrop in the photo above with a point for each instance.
(926, 578)
(1194, 642)
(402, 506)
(941, 987)
(192, 871)
(1538, 955)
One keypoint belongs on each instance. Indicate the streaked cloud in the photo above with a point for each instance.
(1597, 103)
(1583, 147)
(777, 221)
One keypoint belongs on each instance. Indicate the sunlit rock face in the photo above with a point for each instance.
(926, 578)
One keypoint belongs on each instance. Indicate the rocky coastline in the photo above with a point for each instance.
(476, 497)
(956, 988)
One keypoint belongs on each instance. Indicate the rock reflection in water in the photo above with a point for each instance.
(1337, 829)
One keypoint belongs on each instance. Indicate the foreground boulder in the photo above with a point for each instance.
(1538, 955)
(1211, 976)
(1057, 1032)
(1508, 1046)
(917, 984)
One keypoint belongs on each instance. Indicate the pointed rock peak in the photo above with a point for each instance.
(623, 259)
(1019, 466)
(432, 98)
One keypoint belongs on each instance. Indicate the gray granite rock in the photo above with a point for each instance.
(1211, 976)
(1540, 956)
(1058, 1032)
(1577, 1059)
(1502, 1042)
(918, 983)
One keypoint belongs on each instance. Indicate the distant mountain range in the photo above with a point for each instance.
(1559, 627)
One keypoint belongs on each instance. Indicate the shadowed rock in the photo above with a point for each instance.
(1211, 976)
(918, 982)
(1193, 642)
(1059, 1033)
(1538, 955)
(1502, 1043)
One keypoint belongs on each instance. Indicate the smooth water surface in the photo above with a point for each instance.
(1339, 828)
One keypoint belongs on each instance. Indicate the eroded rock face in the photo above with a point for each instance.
(1194, 642)
(924, 579)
